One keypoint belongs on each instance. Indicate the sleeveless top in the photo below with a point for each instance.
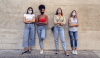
(42, 20)
(73, 22)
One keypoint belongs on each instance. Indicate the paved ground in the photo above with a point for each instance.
(48, 54)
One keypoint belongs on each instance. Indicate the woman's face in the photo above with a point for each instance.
(30, 11)
(59, 11)
(74, 13)
(42, 11)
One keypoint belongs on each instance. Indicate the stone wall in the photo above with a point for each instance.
(12, 26)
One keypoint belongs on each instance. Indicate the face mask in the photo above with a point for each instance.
(42, 13)
(59, 11)
(73, 14)
(29, 12)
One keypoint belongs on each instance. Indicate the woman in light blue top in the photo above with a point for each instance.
(73, 30)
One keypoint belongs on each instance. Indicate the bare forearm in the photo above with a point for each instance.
(73, 25)
(26, 22)
(31, 21)
(40, 24)
(43, 22)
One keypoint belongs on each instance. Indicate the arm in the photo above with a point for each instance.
(77, 22)
(33, 20)
(46, 22)
(55, 22)
(73, 25)
(24, 20)
(37, 21)
(63, 22)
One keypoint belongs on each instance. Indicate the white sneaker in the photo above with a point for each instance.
(73, 52)
(41, 52)
(76, 52)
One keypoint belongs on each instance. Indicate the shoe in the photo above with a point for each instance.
(56, 52)
(29, 51)
(76, 52)
(66, 54)
(24, 52)
(41, 52)
(73, 52)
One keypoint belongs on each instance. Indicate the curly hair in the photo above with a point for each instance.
(42, 7)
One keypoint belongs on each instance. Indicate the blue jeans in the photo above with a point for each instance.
(41, 34)
(73, 34)
(59, 30)
(29, 35)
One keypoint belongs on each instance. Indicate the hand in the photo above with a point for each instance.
(56, 22)
(59, 23)
(40, 22)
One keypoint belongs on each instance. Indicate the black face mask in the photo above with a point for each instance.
(42, 13)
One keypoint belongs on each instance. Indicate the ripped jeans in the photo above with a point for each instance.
(73, 36)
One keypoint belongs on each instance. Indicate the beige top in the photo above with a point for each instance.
(61, 20)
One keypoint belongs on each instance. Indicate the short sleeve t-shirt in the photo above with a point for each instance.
(29, 16)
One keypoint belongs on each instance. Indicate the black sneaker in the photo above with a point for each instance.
(24, 52)
(29, 52)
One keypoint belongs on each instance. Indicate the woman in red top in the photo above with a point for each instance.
(41, 21)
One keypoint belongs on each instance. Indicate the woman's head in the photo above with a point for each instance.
(30, 10)
(59, 11)
(42, 9)
(73, 14)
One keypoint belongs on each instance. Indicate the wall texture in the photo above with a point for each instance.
(12, 26)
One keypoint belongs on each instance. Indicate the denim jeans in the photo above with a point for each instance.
(59, 30)
(29, 35)
(41, 34)
(73, 35)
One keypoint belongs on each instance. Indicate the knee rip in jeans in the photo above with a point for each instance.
(71, 34)
(77, 34)
(76, 39)
(72, 39)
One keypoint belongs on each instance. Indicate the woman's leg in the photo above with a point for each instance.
(31, 36)
(43, 33)
(75, 38)
(56, 37)
(71, 39)
(61, 32)
(39, 36)
(25, 38)
(75, 34)
(25, 49)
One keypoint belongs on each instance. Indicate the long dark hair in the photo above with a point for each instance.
(28, 9)
(57, 12)
(72, 13)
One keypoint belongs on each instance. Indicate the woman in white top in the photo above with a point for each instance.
(73, 30)
(28, 36)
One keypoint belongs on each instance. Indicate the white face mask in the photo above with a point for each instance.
(59, 11)
(29, 12)
(73, 14)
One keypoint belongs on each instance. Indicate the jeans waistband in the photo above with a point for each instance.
(29, 23)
